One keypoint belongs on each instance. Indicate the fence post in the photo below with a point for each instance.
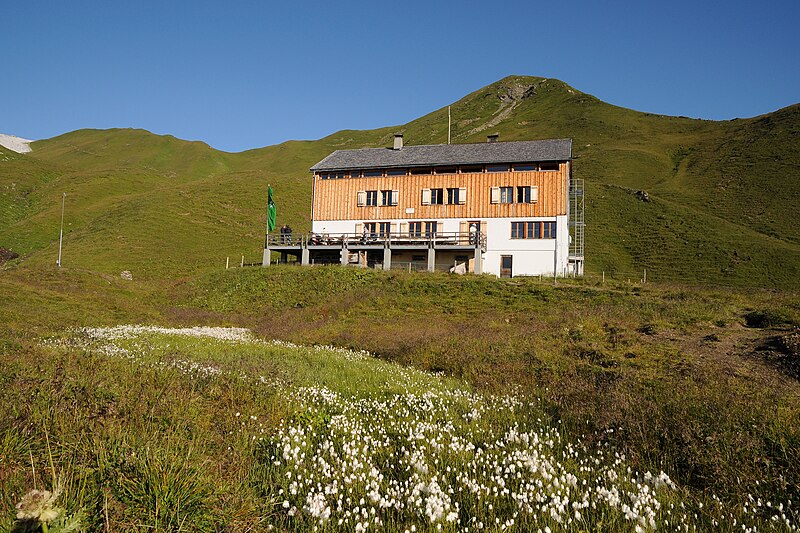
(604, 276)
(227, 262)
(644, 280)
(242, 265)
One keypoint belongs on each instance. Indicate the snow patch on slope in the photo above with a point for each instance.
(18, 144)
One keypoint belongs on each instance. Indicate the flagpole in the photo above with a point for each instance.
(448, 124)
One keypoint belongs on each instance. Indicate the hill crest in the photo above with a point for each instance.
(722, 193)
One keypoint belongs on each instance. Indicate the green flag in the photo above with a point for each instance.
(272, 211)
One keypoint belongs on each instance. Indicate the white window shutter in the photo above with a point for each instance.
(362, 198)
(462, 195)
(534, 194)
(395, 197)
(404, 228)
(463, 230)
(495, 195)
(426, 197)
(359, 229)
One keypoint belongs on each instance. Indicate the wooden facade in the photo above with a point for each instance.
(337, 199)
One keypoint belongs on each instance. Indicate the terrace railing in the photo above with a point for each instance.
(390, 239)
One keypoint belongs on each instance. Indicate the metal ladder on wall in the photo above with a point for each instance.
(577, 227)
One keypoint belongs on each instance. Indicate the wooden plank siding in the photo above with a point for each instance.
(336, 199)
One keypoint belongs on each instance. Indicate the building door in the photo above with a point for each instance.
(505, 266)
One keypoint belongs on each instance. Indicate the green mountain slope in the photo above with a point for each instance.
(721, 210)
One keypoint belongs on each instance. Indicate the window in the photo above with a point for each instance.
(533, 230)
(445, 170)
(527, 194)
(389, 197)
(415, 229)
(332, 175)
(552, 165)
(396, 172)
(526, 167)
(355, 173)
(430, 229)
(456, 195)
(437, 196)
(373, 173)
(384, 228)
(421, 171)
(522, 230)
(466, 169)
(372, 198)
(496, 168)
(369, 228)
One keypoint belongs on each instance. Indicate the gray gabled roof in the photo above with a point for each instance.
(448, 154)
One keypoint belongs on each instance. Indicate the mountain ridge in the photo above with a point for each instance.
(721, 192)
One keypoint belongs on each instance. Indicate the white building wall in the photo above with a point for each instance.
(530, 257)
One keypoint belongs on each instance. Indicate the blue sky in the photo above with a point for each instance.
(247, 74)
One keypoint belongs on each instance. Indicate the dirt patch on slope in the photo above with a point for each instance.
(7, 255)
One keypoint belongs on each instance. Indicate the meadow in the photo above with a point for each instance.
(335, 399)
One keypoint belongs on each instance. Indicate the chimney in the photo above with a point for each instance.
(398, 141)
(492, 138)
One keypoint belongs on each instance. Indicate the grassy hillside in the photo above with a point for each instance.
(723, 193)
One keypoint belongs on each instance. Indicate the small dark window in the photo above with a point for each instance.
(551, 165)
(465, 169)
(369, 228)
(396, 172)
(523, 195)
(506, 195)
(355, 173)
(373, 173)
(496, 168)
(437, 196)
(384, 228)
(526, 167)
(430, 228)
(524, 230)
(445, 170)
(452, 195)
(372, 197)
(549, 230)
(421, 171)
(415, 229)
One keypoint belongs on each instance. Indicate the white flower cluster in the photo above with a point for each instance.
(134, 331)
(409, 451)
(421, 460)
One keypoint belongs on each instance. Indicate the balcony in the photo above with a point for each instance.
(378, 249)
